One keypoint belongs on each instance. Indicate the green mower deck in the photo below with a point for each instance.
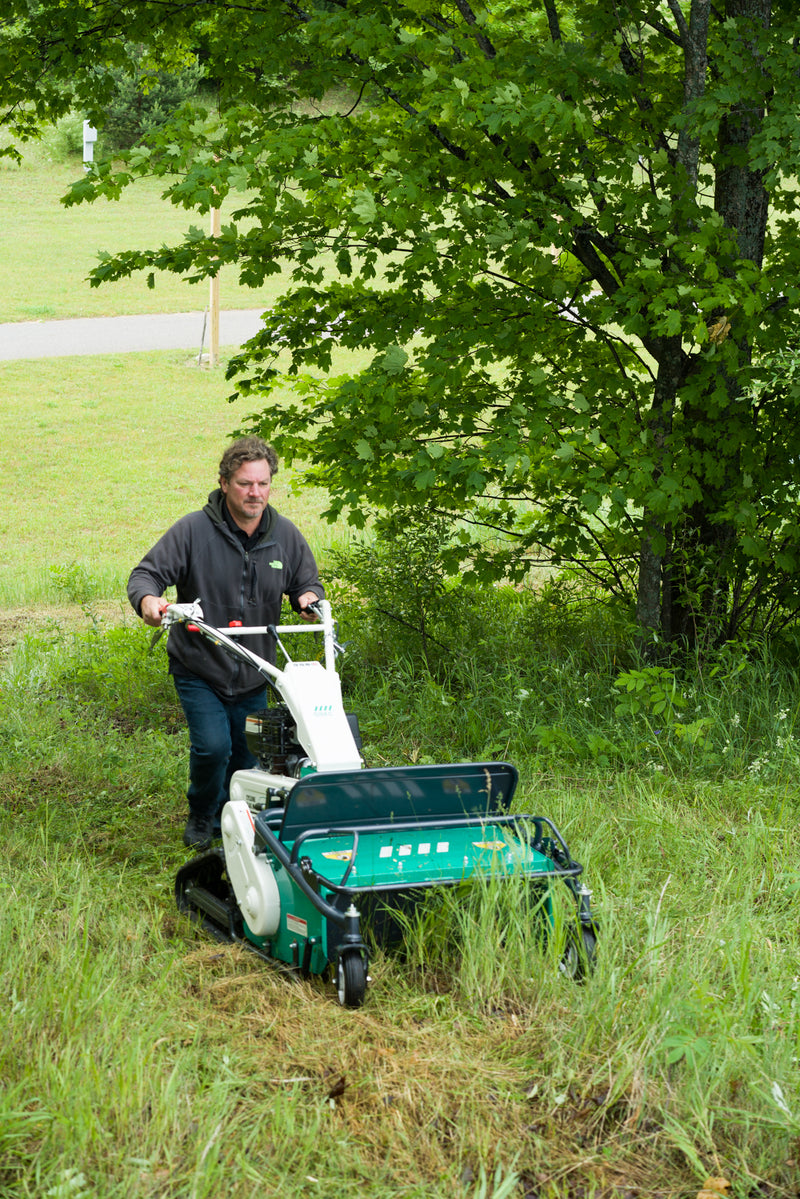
(355, 844)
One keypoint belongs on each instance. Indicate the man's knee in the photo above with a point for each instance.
(213, 745)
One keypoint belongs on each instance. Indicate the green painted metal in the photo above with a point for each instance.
(300, 922)
(381, 836)
(421, 857)
(360, 798)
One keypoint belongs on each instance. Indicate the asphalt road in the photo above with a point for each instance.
(123, 334)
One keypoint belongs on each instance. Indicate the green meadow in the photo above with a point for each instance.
(47, 250)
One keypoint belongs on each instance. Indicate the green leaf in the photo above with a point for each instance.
(364, 206)
(602, 349)
(394, 360)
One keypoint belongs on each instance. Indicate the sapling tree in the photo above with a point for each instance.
(565, 234)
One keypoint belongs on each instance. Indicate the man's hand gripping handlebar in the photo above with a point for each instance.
(181, 613)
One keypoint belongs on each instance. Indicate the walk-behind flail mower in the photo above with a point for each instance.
(314, 842)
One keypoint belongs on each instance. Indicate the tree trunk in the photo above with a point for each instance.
(650, 606)
(740, 197)
(683, 589)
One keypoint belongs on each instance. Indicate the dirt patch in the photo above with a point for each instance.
(13, 626)
(41, 619)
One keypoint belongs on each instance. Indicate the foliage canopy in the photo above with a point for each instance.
(567, 234)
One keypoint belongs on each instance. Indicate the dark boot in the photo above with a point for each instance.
(198, 834)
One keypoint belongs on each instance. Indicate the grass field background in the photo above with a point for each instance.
(47, 250)
(102, 454)
(137, 436)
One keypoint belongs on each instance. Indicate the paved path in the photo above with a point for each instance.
(123, 334)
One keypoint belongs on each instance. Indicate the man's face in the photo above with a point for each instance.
(247, 492)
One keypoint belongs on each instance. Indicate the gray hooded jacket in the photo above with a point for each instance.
(203, 558)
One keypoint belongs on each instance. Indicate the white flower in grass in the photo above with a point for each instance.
(70, 1186)
(779, 1099)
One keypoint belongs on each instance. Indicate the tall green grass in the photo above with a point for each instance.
(142, 1058)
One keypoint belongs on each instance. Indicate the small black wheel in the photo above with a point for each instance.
(580, 953)
(351, 979)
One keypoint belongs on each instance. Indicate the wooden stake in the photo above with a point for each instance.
(213, 333)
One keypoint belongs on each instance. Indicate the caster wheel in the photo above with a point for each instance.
(580, 953)
(351, 980)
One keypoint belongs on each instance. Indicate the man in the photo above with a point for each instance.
(238, 556)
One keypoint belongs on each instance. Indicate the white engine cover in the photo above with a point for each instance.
(314, 697)
(251, 877)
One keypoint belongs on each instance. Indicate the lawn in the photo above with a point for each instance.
(137, 436)
(102, 454)
(47, 250)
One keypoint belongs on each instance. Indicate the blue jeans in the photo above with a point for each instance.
(218, 745)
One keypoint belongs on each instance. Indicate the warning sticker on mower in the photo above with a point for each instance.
(405, 851)
(339, 855)
(296, 925)
(489, 844)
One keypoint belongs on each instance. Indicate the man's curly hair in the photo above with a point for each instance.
(247, 449)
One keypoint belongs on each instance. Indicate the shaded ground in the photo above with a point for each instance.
(17, 623)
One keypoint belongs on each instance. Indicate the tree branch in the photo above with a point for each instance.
(480, 37)
(552, 20)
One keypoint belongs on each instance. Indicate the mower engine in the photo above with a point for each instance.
(272, 740)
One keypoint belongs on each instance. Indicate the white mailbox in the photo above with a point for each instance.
(89, 138)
